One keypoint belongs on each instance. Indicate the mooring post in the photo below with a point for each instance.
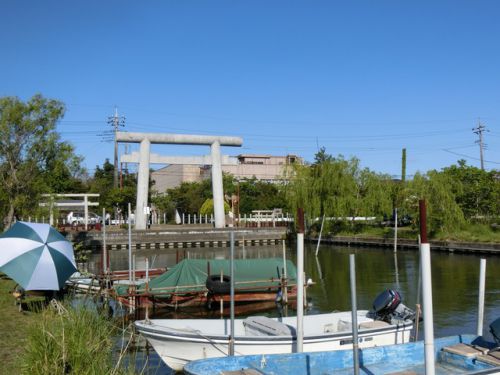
(320, 233)
(482, 288)
(354, 314)
(104, 249)
(425, 258)
(129, 244)
(231, 276)
(285, 281)
(395, 230)
(300, 281)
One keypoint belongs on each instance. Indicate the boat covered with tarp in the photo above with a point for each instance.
(197, 282)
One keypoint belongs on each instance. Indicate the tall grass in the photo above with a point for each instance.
(71, 340)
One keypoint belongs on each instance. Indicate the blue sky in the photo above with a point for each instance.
(361, 78)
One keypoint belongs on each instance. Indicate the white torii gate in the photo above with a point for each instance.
(144, 158)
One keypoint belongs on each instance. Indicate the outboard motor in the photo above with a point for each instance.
(495, 332)
(388, 307)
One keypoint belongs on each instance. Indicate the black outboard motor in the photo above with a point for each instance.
(388, 307)
(495, 332)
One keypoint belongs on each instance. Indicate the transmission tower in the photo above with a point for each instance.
(116, 121)
(479, 131)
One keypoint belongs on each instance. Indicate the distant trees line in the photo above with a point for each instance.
(34, 161)
(339, 187)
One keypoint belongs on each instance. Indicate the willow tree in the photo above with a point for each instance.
(337, 187)
(32, 158)
(374, 194)
(443, 212)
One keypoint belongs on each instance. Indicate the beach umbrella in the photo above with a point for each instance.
(36, 256)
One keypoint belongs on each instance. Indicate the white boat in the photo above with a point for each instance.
(178, 341)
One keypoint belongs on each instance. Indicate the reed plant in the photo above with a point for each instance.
(72, 340)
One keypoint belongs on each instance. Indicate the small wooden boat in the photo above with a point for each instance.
(179, 341)
(462, 354)
(205, 283)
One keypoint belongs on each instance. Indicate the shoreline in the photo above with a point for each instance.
(449, 246)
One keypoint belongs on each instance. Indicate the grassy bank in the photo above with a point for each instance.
(470, 233)
(14, 327)
(63, 340)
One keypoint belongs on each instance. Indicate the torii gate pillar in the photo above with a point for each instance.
(217, 188)
(142, 185)
(145, 140)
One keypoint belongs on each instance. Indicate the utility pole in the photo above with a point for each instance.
(403, 165)
(116, 121)
(479, 131)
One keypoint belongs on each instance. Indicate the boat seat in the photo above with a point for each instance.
(243, 371)
(264, 326)
(373, 325)
(469, 351)
(492, 358)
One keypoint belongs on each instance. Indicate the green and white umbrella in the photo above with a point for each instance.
(36, 256)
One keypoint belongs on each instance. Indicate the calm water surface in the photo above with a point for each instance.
(455, 280)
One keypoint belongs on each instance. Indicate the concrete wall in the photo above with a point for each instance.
(175, 174)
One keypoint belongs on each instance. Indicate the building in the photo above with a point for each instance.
(175, 174)
(269, 168)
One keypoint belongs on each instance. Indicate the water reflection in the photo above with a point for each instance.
(455, 278)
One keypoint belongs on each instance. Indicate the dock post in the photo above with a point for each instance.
(147, 288)
(482, 287)
(395, 230)
(354, 314)
(320, 233)
(129, 245)
(300, 282)
(231, 275)
(284, 284)
(425, 259)
(104, 249)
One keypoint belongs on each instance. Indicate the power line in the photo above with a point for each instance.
(468, 156)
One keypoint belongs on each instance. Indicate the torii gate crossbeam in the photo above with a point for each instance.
(146, 139)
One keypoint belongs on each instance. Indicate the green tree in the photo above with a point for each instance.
(443, 212)
(33, 160)
(476, 190)
(207, 208)
(112, 198)
(190, 196)
(259, 195)
(338, 187)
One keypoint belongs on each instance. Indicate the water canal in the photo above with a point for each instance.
(455, 278)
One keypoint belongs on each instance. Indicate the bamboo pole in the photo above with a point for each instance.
(320, 233)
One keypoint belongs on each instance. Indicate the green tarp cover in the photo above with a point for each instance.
(190, 275)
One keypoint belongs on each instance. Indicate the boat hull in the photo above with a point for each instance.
(401, 359)
(178, 347)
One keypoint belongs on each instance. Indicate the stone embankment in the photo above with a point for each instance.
(179, 237)
(450, 246)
